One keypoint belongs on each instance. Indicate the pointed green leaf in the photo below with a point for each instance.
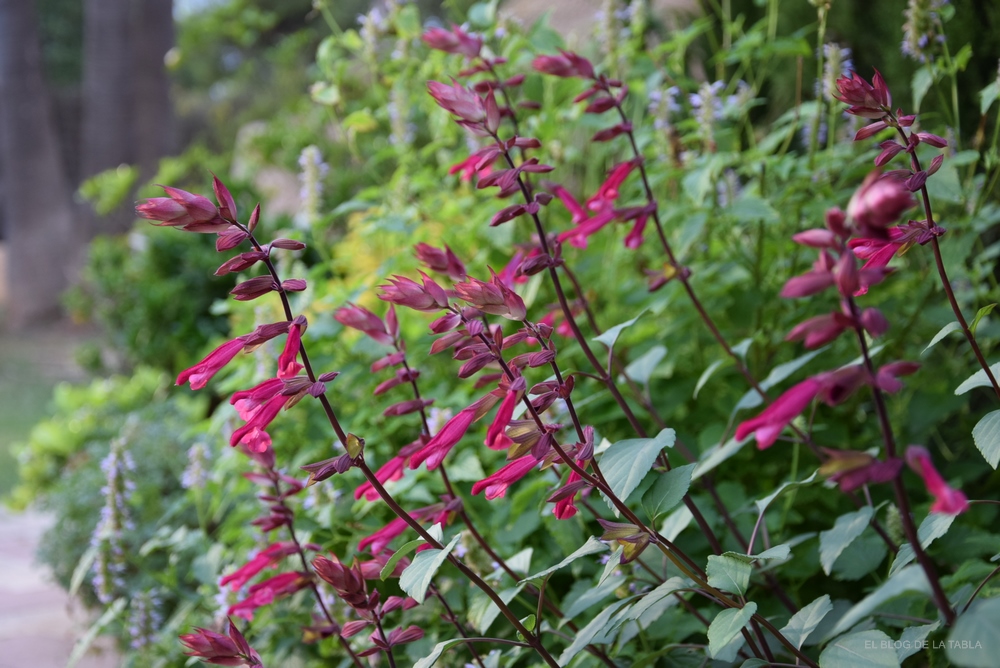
(641, 370)
(868, 649)
(974, 641)
(913, 639)
(717, 454)
(806, 620)
(592, 546)
(483, 611)
(588, 632)
(668, 490)
(762, 504)
(418, 575)
(933, 527)
(726, 625)
(952, 326)
(844, 531)
(988, 95)
(610, 336)
(390, 565)
(983, 312)
(656, 595)
(777, 552)
(627, 462)
(978, 379)
(909, 579)
(922, 81)
(986, 434)
(436, 653)
(87, 639)
(705, 375)
(729, 572)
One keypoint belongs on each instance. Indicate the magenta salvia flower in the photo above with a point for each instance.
(566, 64)
(458, 100)
(455, 40)
(492, 297)
(266, 592)
(879, 202)
(442, 261)
(767, 426)
(363, 320)
(402, 291)
(868, 100)
(851, 469)
(496, 485)
(202, 372)
(287, 366)
(269, 556)
(820, 330)
(191, 212)
(442, 442)
(947, 500)
(220, 650)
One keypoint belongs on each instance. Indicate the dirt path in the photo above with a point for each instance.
(39, 624)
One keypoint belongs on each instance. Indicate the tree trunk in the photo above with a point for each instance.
(107, 138)
(43, 242)
(153, 118)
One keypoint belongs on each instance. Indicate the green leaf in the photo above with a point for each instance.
(614, 561)
(590, 597)
(988, 96)
(418, 575)
(656, 595)
(779, 552)
(923, 79)
(85, 641)
(390, 565)
(676, 522)
(933, 527)
(483, 611)
(986, 434)
(945, 331)
(806, 620)
(592, 546)
(729, 572)
(726, 625)
(627, 462)
(640, 370)
(868, 649)
(588, 632)
(763, 504)
(974, 641)
(668, 490)
(844, 531)
(82, 569)
(983, 312)
(717, 454)
(912, 640)
(610, 336)
(436, 653)
(749, 208)
(978, 379)
(911, 578)
(705, 375)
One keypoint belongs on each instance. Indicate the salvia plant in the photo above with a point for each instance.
(663, 561)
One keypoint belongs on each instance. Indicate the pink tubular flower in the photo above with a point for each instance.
(879, 202)
(455, 40)
(379, 540)
(442, 261)
(496, 485)
(363, 320)
(496, 436)
(402, 291)
(258, 406)
(567, 64)
(820, 330)
(220, 650)
(851, 469)
(768, 425)
(391, 470)
(266, 592)
(492, 297)
(947, 500)
(608, 192)
(442, 442)
(180, 208)
(458, 100)
(267, 557)
(202, 372)
(287, 366)
(868, 100)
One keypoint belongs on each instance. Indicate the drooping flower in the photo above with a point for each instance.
(287, 365)
(442, 442)
(496, 485)
(264, 593)
(269, 556)
(221, 650)
(947, 500)
(851, 469)
(767, 426)
(202, 372)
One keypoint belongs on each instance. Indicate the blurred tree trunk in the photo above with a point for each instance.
(154, 124)
(107, 137)
(43, 241)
